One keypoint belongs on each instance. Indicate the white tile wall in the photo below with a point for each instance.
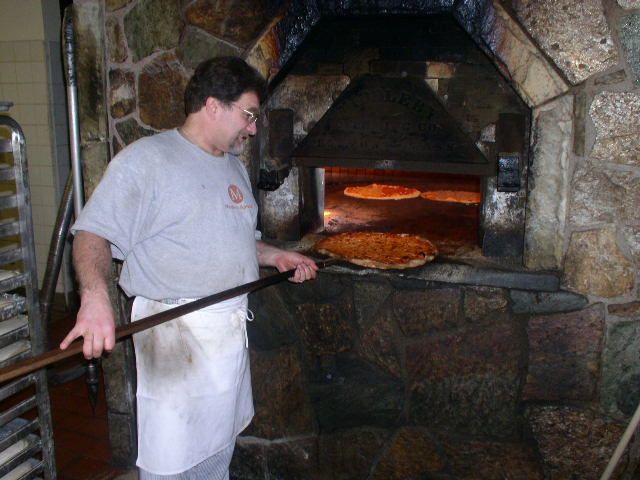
(8, 72)
(24, 80)
(6, 52)
(23, 71)
(31, 76)
(22, 20)
(36, 52)
(21, 51)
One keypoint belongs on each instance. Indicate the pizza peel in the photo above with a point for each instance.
(40, 361)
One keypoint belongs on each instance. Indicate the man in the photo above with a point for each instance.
(177, 209)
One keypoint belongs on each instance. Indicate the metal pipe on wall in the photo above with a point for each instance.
(73, 189)
(56, 250)
(73, 111)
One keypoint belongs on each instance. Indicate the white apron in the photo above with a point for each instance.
(194, 387)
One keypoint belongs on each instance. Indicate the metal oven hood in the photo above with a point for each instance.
(390, 123)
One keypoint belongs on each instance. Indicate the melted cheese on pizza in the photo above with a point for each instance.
(453, 196)
(379, 250)
(377, 191)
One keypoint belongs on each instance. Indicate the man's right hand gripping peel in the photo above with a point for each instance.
(95, 323)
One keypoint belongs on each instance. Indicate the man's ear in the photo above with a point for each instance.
(212, 105)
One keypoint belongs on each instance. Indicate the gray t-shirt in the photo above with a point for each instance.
(182, 220)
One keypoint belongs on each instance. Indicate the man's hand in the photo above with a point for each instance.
(306, 269)
(270, 256)
(95, 323)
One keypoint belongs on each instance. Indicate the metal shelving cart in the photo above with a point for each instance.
(26, 438)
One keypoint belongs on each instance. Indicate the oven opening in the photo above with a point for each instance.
(447, 212)
(431, 113)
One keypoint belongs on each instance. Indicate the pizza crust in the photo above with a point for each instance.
(378, 249)
(377, 191)
(452, 196)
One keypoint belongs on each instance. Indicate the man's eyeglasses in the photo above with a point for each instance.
(252, 117)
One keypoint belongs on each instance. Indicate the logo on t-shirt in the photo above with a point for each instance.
(235, 194)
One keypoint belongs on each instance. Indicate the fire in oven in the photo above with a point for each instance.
(443, 208)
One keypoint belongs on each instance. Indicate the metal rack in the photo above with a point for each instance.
(26, 437)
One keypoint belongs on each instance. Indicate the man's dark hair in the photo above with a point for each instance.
(224, 78)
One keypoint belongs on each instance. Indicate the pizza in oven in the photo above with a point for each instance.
(377, 191)
(452, 196)
(378, 249)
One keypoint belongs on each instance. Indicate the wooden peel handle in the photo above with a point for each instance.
(40, 361)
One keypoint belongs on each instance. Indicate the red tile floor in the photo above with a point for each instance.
(80, 435)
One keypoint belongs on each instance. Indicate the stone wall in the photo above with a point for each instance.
(470, 404)
(600, 253)
(387, 377)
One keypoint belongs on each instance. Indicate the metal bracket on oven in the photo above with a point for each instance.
(270, 180)
(508, 172)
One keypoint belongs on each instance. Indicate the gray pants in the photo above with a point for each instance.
(215, 467)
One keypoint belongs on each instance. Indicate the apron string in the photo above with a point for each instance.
(248, 317)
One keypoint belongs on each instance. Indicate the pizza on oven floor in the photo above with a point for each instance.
(452, 196)
(379, 249)
(377, 191)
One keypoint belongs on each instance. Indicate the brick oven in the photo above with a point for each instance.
(426, 367)
(429, 111)
(515, 353)
(437, 372)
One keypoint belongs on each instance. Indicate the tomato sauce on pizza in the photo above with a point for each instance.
(379, 249)
(377, 191)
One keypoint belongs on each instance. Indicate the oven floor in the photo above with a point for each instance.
(452, 227)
